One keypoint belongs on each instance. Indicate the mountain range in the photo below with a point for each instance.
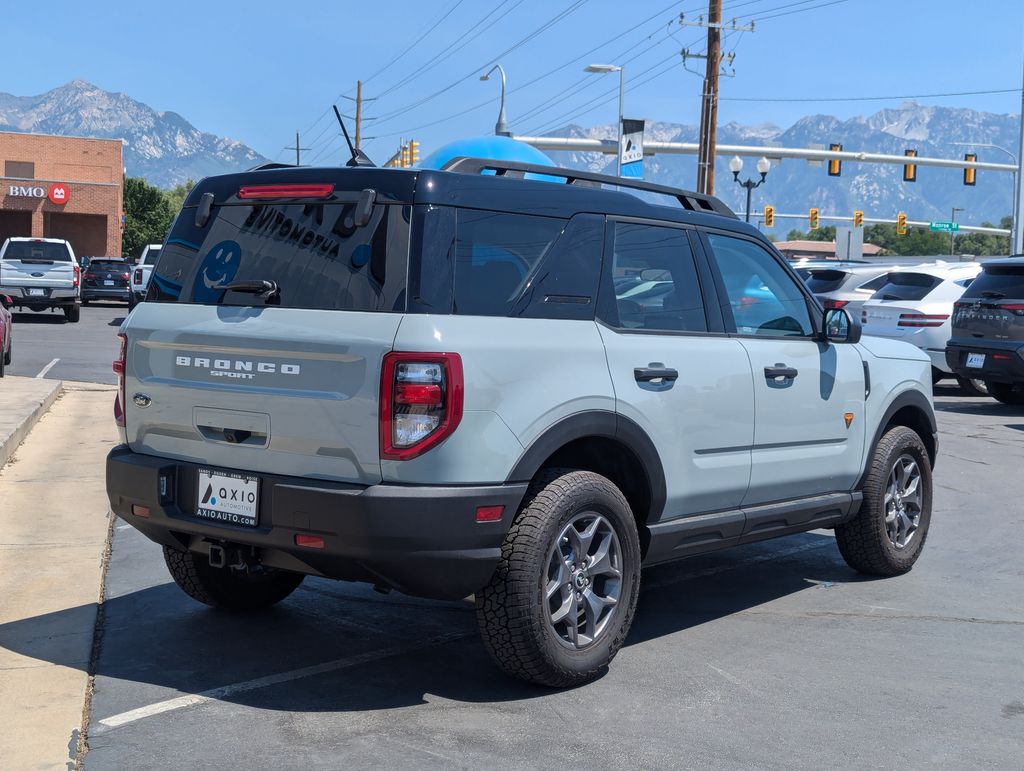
(166, 149)
(879, 190)
(163, 147)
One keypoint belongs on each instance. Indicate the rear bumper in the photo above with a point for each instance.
(420, 540)
(105, 293)
(51, 296)
(1008, 368)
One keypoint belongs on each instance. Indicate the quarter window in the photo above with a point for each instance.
(655, 279)
(764, 298)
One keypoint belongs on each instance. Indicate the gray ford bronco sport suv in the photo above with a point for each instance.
(457, 383)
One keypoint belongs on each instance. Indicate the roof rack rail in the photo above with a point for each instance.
(691, 201)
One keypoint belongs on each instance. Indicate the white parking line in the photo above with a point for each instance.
(226, 691)
(47, 368)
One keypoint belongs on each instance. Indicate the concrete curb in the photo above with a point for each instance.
(10, 443)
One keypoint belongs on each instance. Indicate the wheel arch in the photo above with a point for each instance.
(913, 410)
(608, 444)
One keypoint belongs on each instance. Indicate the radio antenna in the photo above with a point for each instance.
(359, 158)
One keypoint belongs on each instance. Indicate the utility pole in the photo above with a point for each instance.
(358, 99)
(297, 148)
(709, 93)
(1017, 234)
(952, 233)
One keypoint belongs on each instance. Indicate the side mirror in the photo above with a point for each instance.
(841, 327)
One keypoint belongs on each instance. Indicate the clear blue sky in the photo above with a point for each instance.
(258, 71)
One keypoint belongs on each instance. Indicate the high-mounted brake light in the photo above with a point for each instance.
(420, 402)
(922, 319)
(261, 192)
(119, 369)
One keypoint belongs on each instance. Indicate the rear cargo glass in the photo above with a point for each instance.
(107, 265)
(318, 258)
(37, 250)
(906, 286)
(998, 283)
(821, 281)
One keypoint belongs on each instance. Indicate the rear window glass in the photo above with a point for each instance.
(874, 284)
(825, 280)
(998, 283)
(906, 286)
(496, 256)
(107, 265)
(314, 253)
(37, 250)
(151, 256)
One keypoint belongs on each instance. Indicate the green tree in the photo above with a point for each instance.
(148, 216)
(176, 195)
(826, 233)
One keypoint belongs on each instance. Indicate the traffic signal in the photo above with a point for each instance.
(970, 173)
(835, 166)
(414, 152)
(769, 216)
(405, 156)
(910, 169)
(814, 218)
(901, 224)
(858, 219)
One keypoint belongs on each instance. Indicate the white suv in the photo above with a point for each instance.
(916, 304)
(459, 382)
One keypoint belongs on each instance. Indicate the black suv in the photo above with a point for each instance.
(988, 330)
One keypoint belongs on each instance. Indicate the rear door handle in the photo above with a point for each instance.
(780, 370)
(647, 374)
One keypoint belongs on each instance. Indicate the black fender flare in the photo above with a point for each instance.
(597, 423)
(910, 398)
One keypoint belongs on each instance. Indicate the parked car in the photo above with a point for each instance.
(915, 305)
(988, 330)
(848, 286)
(41, 274)
(6, 334)
(426, 380)
(106, 279)
(141, 273)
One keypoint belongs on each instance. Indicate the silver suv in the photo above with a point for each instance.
(457, 383)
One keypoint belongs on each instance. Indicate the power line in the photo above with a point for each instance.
(868, 98)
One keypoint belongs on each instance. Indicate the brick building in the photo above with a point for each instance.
(62, 187)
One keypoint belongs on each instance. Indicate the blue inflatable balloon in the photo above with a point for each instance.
(494, 147)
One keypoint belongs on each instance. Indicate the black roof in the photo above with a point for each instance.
(1004, 262)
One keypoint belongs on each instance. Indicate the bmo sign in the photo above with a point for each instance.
(57, 193)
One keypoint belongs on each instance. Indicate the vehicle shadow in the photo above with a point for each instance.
(373, 652)
(44, 317)
(116, 321)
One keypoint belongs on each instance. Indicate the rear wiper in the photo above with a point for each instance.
(993, 294)
(260, 287)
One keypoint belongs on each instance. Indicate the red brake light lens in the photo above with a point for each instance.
(420, 402)
(138, 276)
(834, 305)
(922, 319)
(250, 192)
(1015, 308)
(119, 368)
(309, 541)
(78, 276)
(489, 513)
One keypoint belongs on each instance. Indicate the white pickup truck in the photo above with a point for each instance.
(143, 270)
(41, 273)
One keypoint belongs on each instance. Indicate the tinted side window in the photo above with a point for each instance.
(655, 279)
(496, 255)
(821, 281)
(764, 298)
(873, 285)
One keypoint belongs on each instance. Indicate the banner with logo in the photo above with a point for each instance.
(631, 148)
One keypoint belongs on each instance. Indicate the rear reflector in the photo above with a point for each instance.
(119, 367)
(922, 319)
(489, 513)
(309, 541)
(430, 395)
(285, 191)
(1000, 357)
(140, 511)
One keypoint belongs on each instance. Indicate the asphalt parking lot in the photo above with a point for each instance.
(773, 655)
(46, 345)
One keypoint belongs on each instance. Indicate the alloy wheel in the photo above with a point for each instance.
(903, 501)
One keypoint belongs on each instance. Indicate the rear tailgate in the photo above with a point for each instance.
(37, 264)
(285, 383)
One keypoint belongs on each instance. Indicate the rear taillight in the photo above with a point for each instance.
(78, 276)
(126, 276)
(922, 319)
(119, 367)
(250, 192)
(1014, 308)
(420, 402)
(138, 276)
(834, 305)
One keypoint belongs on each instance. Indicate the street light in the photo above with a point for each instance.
(501, 127)
(952, 218)
(604, 69)
(736, 166)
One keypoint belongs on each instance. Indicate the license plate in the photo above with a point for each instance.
(36, 292)
(227, 497)
(108, 283)
(976, 360)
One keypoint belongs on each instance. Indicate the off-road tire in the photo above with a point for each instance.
(863, 541)
(227, 588)
(72, 313)
(1007, 393)
(972, 386)
(512, 609)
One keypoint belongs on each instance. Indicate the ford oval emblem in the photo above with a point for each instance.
(142, 401)
(38, 275)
